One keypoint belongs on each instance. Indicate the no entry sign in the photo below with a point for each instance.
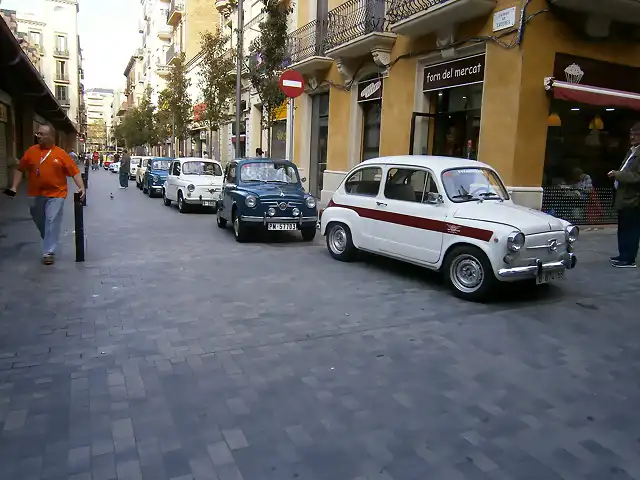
(291, 83)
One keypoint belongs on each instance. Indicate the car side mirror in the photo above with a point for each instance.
(303, 179)
(434, 198)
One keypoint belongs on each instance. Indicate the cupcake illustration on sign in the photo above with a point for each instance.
(573, 73)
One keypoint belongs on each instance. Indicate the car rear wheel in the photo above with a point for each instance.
(182, 205)
(239, 229)
(308, 233)
(339, 242)
(167, 202)
(469, 273)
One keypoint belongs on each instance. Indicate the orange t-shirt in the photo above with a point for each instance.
(47, 171)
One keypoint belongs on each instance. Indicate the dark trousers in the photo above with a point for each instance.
(628, 233)
(124, 178)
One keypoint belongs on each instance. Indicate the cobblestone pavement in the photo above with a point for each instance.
(175, 353)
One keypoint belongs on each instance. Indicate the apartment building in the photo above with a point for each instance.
(135, 82)
(156, 40)
(53, 33)
(99, 122)
(535, 93)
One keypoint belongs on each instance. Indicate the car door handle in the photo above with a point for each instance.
(381, 204)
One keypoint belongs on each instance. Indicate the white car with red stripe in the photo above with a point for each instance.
(447, 214)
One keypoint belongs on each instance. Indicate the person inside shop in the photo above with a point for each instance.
(626, 183)
(259, 152)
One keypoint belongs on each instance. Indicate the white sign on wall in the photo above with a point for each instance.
(504, 19)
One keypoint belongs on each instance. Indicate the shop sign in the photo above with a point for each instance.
(504, 19)
(203, 134)
(463, 71)
(595, 73)
(370, 90)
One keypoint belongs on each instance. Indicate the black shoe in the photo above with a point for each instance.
(615, 259)
(620, 264)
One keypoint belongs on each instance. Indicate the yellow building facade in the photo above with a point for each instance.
(462, 78)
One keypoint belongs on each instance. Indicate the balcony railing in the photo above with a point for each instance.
(65, 102)
(62, 77)
(175, 10)
(255, 21)
(401, 9)
(171, 52)
(354, 19)
(61, 53)
(308, 41)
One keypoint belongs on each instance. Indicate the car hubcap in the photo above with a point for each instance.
(180, 202)
(467, 273)
(338, 240)
(236, 226)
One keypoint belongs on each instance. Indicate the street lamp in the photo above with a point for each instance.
(239, 74)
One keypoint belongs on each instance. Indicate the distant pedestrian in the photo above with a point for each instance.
(205, 154)
(259, 152)
(73, 156)
(627, 203)
(47, 167)
(125, 168)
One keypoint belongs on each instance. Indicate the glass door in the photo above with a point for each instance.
(319, 139)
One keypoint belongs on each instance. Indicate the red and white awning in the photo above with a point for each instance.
(604, 97)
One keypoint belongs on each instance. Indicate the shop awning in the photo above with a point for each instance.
(604, 97)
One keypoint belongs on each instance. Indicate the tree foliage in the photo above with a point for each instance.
(138, 126)
(97, 132)
(268, 53)
(216, 82)
(175, 101)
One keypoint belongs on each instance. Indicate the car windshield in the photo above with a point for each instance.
(268, 172)
(201, 168)
(468, 184)
(160, 165)
(135, 161)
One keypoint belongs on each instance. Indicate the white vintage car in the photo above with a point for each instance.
(447, 214)
(193, 182)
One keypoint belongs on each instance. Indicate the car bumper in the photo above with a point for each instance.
(538, 268)
(264, 221)
(209, 201)
(156, 187)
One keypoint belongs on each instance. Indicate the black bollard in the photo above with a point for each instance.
(78, 215)
(85, 178)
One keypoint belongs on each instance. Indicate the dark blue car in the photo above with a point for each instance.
(155, 176)
(261, 193)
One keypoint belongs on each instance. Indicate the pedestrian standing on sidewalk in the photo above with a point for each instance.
(627, 203)
(73, 156)
(47, 167)
(125, 168)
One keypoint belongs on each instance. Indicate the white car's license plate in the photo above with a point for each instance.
(547, 277)
(282, 226)
(208, 203)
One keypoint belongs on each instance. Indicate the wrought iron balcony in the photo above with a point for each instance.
(174, 14)
(354, 19)
(416, 18)
(623, 11)
(65, 102)
(172, 54)
(165, 32)
(61, 53)
(163, 70)
(308, 41)
(62, 77)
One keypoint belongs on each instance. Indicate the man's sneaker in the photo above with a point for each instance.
(122, 187)
(48, 260)
(615, 259)
(620, 264)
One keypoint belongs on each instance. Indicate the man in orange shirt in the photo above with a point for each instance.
(47, 168)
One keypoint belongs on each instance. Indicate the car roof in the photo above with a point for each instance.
(161, 158)
(434, 162)
(190, 159)
(244, 160)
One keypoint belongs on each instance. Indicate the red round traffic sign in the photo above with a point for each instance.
(291, 83)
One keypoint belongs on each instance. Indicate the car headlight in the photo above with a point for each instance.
(191, 187)
(572, 233)
(251, 201)
(156, 178)
(271, 211)
(515, 241)
(311, 202)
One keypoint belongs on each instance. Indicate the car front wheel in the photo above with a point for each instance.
(144, 189)
(469, 273)
(239, 229)
(166, 201)
(308, 233)
(182, 205)
(222, 222)
(339, 242)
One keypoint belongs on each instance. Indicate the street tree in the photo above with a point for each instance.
(97, 133)
(216, 82)
(175, 99)
(267, 56)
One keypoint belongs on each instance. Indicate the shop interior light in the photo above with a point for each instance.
(554, 120)
(575, 109)
(610, 109)
(596, 123)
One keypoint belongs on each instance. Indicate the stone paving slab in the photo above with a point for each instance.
(176, 353)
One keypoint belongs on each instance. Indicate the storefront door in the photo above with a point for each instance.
(319, 138)
(454, 134)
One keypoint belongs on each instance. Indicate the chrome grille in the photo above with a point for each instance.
(548, 247)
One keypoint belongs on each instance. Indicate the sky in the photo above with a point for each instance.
(108, 36)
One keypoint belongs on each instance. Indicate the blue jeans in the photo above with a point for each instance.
(46, 213)
(628, 233)
(124, 178)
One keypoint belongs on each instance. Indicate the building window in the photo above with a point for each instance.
(62, 92)
(370, 100)
(61, 70)
(35, 38)
(61, 43)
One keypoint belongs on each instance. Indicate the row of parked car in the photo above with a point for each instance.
(446, 214)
